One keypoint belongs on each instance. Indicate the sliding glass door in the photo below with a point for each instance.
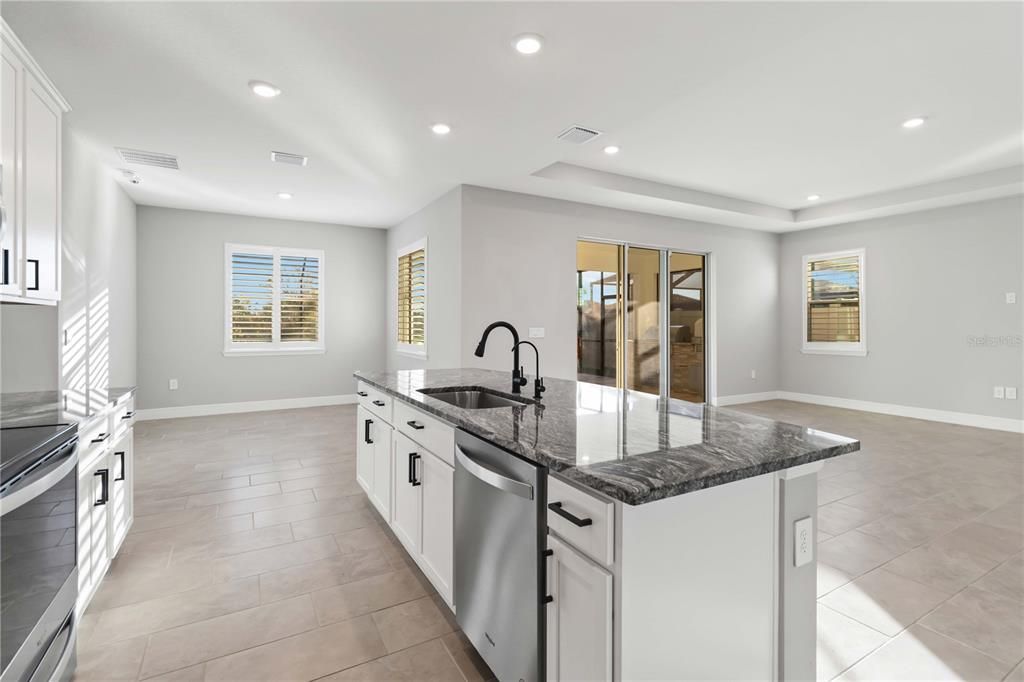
(640, 319)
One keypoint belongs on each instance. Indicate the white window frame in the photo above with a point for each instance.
(275, 347)
(412, 349)
(859, 348)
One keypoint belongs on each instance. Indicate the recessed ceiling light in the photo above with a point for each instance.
(284, 195)
(264, 89)
(441, 128)
(915, 122)
(611, 150)
(813, 197)
(528, 43)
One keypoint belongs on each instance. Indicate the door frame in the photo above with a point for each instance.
(710, 315)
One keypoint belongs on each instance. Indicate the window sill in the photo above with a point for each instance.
(412, 352)
(247, 352)
(855, 352)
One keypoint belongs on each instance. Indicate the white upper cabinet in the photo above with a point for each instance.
(31, 115)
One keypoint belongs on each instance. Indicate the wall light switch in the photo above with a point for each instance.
(803, 541)
(1011, 297)
(997, 392)
(172, 384)
(1011, 393)
(536, 332)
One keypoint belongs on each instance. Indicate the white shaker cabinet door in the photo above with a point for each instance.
(579, 618)
(437, 546)
(122, 472)
(11, 75)
(42, 193)
(381, 489)
(408, 493)
(364, 449)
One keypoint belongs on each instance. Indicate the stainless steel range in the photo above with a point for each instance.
(500, 533)
(38, 543)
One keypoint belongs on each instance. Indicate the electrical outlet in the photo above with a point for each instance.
(753, 375)
(536, 332)
(803, 541)
(1011, 393)
(997, 392)
(1011, 297)
(172, 384)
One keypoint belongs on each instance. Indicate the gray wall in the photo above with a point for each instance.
(519, 264)
(181, 309)
(28, 348)
(441, 224)
(934, 279)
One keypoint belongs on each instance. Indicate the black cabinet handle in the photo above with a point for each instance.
(121, 476)
(100, 438)
(412, 460)
(104, 475)
(571, 518)
(6, 267)
(366, 431)
(362, 394)
(416, 425)
(128, 415)
(35, 262)
(378, 403)
(548, 599)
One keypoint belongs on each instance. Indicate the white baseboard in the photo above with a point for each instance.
(963, 418)
(247, 406)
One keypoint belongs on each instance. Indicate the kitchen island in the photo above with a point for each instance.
(695, 559)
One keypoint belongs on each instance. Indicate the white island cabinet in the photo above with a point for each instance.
(31, 111)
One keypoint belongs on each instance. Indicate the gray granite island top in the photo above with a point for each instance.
(37, 408)
(624, 444)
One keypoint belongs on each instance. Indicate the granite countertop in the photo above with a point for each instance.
(38, 408)
(623, 444)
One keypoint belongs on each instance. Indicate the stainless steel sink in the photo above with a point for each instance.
(474, 398)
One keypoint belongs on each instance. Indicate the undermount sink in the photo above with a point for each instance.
(474, 398)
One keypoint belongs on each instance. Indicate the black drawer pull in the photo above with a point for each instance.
(362, 394)
(414, 424)
(35, 263)
(104, 475)
(412, 460)
(128, 415)
(100, 438)
(366, 433)
(548, 599)
(378, 403)
(571, 518)
(121, 476)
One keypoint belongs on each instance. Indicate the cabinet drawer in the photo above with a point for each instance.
(430, 432)
(592, 528)
(94, 438)
(374, 400)
(122, 416)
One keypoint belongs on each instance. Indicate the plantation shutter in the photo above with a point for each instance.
(252, 297)
(834, 299)
(412, 297)
(300, 292)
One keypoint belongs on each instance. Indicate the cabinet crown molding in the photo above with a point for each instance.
(32, 65)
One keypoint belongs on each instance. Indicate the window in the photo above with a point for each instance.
(274, 302)
(833, 291)
(412, 298)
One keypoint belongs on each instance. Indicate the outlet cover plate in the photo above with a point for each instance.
(803, 541)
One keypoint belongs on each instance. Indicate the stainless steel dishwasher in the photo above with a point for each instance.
(500, 533)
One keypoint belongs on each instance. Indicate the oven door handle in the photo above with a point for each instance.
(19, 496)
(491, 477)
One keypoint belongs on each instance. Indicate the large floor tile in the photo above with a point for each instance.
(842, 642)
(427, 662)
(410, 623)
(197, 642)
(366, 596)
(303, 657)
(1006, 580)
(334, 570)
(335, 523)
(855, 552)
(884, 601)
(986, 621)
(943, 567)
(922, 655)
(233, 495)
(276, 557)
(111, 661)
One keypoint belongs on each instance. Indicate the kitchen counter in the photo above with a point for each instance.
(623, 444)
(47, 407)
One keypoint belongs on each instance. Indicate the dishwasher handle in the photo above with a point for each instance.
(491, 477)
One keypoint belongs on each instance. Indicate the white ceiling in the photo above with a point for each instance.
(711, 102)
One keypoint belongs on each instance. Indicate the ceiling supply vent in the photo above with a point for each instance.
(578, 134)
(285, 157)
(142, 158)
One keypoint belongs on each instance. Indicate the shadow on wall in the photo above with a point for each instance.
(85, 365)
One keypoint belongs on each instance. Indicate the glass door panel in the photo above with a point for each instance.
(643, 320)
(598, 303)
(686, 327)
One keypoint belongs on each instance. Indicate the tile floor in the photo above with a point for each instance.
(254, 556)
(920, 571)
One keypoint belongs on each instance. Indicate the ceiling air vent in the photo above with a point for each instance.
(148, 158)
(285, 157)
(578, 134)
